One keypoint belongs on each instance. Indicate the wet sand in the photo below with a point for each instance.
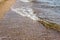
(16, 27)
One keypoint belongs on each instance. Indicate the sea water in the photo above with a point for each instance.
(47, 9)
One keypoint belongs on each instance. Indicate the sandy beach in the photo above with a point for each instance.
(17, 27)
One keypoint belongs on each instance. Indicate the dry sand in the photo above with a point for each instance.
(5, 6)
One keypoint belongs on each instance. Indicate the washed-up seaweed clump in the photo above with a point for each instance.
(48, 24)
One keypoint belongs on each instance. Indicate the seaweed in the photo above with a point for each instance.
(48, 24)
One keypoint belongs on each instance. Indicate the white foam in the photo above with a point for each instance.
(27, 12)
(25, 0)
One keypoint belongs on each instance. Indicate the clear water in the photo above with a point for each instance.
(47, 9)
(51, 2)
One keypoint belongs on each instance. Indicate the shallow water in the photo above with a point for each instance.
(51, 2)
(47, 9)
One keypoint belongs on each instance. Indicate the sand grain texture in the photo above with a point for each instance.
(16, 27)
(5, 6)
